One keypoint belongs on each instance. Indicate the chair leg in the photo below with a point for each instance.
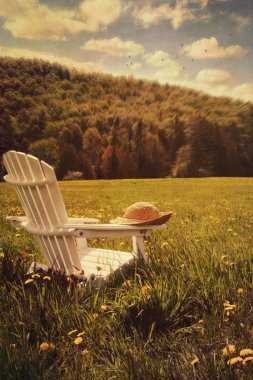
(81, 243)
(138, 247)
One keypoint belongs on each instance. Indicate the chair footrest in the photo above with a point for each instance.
(103, 262)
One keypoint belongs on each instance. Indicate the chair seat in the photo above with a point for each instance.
(103, 262)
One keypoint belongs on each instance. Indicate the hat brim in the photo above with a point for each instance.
(164, 217)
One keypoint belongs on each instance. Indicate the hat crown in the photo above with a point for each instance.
(142, 211)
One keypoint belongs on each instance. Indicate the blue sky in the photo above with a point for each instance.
(202, 44)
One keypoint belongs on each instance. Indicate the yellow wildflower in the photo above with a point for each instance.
(1, 254)
(47, 346)
(85, 352)
(35, 275)
(81, 333)
(44, 346)
(47, 278)
(78, 340)
(224, 257)
(239, 290)
(95, 315)
(104, 308)
(228, 350)
(146, 289)
(236, 359)
(246, 351)
(248, 359)
(72, 332)
(194, 361)
(28, 281)
(25, 255)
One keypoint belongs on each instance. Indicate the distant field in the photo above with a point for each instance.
(193, 298)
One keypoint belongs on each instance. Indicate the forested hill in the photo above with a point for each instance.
(109, 127)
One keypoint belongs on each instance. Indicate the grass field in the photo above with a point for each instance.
(186, 314)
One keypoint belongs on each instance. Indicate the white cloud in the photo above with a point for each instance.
(70, 63)
(136, 66)
(166, 67)
(98, 14)
(114, 46)
(148, 15)
(241, 21)
(243, 91)
(213, 77)
(32, 20)
(209, 48)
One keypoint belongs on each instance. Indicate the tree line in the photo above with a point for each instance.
(100, 126)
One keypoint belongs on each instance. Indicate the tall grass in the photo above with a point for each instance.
(169, 318)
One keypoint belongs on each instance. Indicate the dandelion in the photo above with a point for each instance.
(246, 351)
(47, 278)
(35, 275)
(81, 333)
(146, 289)
(29, 281)
(25, 255)
(228, 350)
(236, 359)
(194, 361)
(224, 257)
(47, 346)
(60, 270)
(78, 340)
(104, 308)
(44, 346)
(85, 352)
(248, 359)
(72, 332)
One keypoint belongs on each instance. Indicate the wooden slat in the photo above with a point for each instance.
(9, 160)
(56, 200)
(98, 258)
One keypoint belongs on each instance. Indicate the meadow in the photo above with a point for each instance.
(185, 314)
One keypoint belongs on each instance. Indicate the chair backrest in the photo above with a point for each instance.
(38, 191)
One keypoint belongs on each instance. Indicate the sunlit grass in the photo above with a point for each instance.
(186, 314)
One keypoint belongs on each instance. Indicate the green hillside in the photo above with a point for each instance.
(107, 127)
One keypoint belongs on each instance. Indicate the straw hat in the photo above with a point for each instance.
(143, 213)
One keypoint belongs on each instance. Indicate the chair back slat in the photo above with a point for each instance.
(38, 191)
(55, 200)
(9, 160)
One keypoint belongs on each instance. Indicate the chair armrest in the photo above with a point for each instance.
(110, 230)
(17, 221)
(75, 221)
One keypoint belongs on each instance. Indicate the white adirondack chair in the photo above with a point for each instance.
(63, 240)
